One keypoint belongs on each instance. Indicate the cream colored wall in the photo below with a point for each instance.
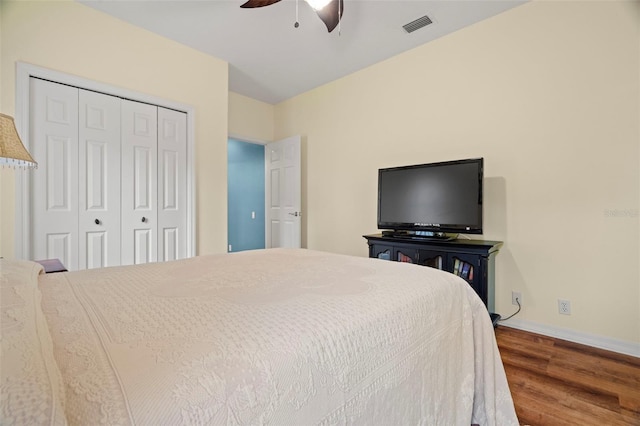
(249, 119)
(548, 93)
(75, 39)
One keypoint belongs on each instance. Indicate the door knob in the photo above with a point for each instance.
(296, 214)
(144, 219)
(97, 221)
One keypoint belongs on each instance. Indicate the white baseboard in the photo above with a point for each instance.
(608, 343)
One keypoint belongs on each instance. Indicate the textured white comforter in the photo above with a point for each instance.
(275, 336)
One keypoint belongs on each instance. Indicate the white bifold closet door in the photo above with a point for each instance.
(111, 184)
(54, 132)
(139, 184)
(154, 161)
(172, 184)
(98, 183)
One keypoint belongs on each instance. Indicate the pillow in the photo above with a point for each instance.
(31, 390)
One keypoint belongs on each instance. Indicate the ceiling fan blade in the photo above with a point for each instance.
(258, 3)
(329, 14)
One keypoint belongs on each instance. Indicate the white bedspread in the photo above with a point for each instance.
(278, 337)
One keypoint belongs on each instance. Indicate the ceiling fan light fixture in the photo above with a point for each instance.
(318, 4)
(329, 11)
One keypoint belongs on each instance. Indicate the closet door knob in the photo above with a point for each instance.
(97, 221)
(144, 219)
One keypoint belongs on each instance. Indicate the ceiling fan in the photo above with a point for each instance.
(330, 11)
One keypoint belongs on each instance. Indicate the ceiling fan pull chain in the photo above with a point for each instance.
(297, 24)
(339, 20)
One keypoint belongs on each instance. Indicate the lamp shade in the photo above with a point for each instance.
(12, 151)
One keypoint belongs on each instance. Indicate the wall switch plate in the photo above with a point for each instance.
(516, 295)
(564, 307)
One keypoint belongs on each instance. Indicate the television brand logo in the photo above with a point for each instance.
(427, 224)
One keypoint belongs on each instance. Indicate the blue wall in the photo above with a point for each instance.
(245, 180)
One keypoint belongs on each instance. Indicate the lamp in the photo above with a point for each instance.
(12, 151)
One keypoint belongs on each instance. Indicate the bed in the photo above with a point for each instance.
(278, 336)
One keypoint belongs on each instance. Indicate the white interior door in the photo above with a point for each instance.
(139, 182)
(172, 184)
(99, 182)
(283, 217)
(54, 142)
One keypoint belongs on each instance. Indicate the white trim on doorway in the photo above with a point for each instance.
(248, 140)
(24, 72)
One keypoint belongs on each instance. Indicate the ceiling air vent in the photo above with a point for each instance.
(417, 24)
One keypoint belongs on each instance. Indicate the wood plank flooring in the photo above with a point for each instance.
(556, 382)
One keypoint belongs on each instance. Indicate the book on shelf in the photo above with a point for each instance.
(434, 262)
(465, 270)
(385, 255)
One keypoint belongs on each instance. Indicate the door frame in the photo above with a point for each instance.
(267, 189)
(24, 72)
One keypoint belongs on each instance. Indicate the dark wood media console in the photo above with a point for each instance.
(472, 260)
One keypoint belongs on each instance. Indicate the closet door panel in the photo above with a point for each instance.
(139, 182)
(142, 246)
(99, 187)
(172, 184)
(54, 141)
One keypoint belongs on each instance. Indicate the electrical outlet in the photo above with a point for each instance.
(564, 307)
(516, 295)
(230, 248)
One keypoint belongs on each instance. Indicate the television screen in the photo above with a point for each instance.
(436, 197)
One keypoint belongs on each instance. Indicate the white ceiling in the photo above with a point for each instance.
(271, 61)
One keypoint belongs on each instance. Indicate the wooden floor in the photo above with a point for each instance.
(555, 382)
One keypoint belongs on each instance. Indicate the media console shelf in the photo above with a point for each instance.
(472, 260)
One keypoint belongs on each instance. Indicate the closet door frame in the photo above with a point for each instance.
(24, 72)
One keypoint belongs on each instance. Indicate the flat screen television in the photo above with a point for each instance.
(431, 199)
